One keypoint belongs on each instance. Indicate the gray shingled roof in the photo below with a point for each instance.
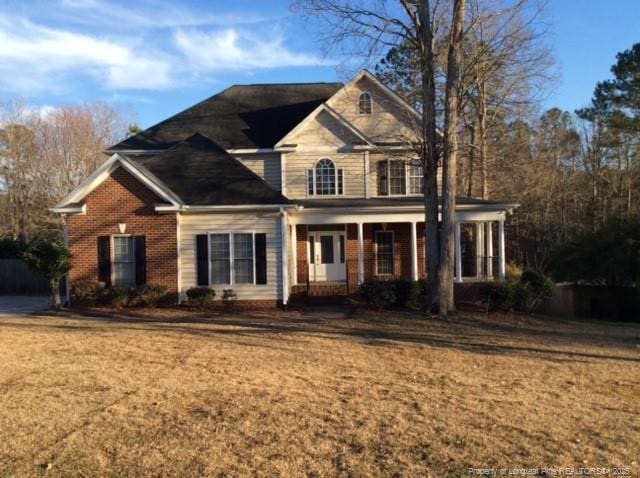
(242, 116)
(200, 172)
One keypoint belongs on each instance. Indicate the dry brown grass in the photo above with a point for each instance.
(314, 395)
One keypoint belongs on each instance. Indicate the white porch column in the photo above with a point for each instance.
(284, 236)
(489, 249)
(414, 252)
(501, 258)
(458, 254)
(360, 254)
(479, 248)
(294, 254)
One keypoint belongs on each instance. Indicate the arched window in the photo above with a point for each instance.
(364, 104)
(324, 179)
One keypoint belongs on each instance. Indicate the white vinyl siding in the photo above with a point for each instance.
(240, 222)
(265, 165)
(300, 167)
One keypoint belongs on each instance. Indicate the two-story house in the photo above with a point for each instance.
(266, 189)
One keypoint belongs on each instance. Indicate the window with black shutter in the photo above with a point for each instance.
(261, 258)
(140, 249)
(104, 259)
(202, 258)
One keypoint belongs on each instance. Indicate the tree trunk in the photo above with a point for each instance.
(472, 155)
(430, 157)
(54, 284)
(482, 140)
(447, 246)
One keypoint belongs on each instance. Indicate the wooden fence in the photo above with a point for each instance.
(17, 278)
(593, 301)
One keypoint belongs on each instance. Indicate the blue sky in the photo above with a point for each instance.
(154, 58)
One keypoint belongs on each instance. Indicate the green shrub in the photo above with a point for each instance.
(150, 295)
(118, 296)
(378, 294)
(201, 297)
(534, 287)
(410, 294)
(87, 292)
(524, 295)
(229, 298)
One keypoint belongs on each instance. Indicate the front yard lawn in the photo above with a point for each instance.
(315, 394)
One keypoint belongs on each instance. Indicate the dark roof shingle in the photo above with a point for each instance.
(200, 172)
(242, 116)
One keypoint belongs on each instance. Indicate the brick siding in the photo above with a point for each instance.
(121, 198)
(402, 251)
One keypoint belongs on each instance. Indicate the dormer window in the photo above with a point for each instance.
(364, 104)
(325, 179)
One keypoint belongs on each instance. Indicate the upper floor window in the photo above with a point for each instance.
(325, 179)
(364, 104)
(396, 177)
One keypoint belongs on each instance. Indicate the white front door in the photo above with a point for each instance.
(327, 256)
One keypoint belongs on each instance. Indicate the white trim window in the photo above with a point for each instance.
(398, 177)
(123, 260)
(384, 253)
(324, 179)
(232, 258)
(364, 104)
(415, 178)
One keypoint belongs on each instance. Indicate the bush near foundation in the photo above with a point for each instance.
(523, 295)
(201, 297)
(87, 292)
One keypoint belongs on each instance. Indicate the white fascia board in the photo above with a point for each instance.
(90, 183)
(151, 181)
(349, 126)
(466, 212)
(354, 217)
(224, 208)
(300, 126)
(322, 107)
(102, 173)
(251, 150)
(70, 209)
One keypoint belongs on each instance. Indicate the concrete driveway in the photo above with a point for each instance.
(22, 304)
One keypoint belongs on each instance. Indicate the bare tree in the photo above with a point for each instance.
(43, 157)
(449, 160)
(368, 29)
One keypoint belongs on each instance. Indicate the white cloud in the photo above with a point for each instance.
(31, 53)
(155, 48)
(152, 14)
(229, 50)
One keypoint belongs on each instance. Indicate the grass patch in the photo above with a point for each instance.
(186, 393)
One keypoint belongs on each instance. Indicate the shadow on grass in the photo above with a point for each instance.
(550, 339)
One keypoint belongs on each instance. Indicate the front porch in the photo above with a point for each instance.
(332, 251)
